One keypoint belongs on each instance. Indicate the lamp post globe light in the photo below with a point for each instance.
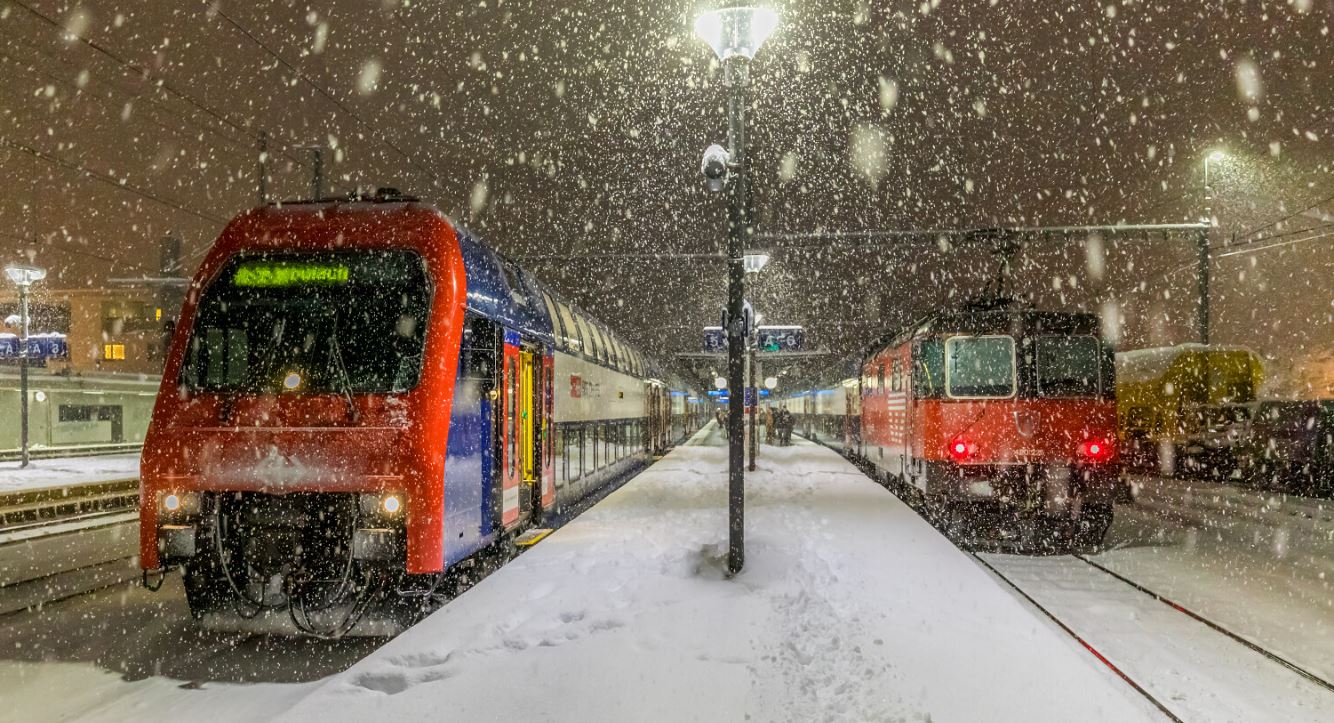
(735, 33)
(24, 277)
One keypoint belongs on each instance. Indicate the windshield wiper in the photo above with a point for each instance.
(344, 379)
(234, 392)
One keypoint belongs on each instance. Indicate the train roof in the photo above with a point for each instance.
(978, 320)
(497, 287)
(501, 290)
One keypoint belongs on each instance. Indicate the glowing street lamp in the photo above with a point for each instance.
(736, 31)
(735, 34)
(754, 261)
(23, 276)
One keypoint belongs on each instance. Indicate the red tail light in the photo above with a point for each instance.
(1095, 450)
(960, 449)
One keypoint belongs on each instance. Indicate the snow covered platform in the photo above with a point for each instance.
(68, 472)
(850, 608)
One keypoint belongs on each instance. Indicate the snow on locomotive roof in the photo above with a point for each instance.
(1138, 365)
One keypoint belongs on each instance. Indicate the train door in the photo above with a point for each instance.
(520, 421)
(508, 419)
(906, 422)
(850, 399)
(529, 459)
(546, 399)
(654, 418)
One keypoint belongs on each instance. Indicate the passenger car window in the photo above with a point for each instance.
(591, 342)
(575, 337)
(557, 326)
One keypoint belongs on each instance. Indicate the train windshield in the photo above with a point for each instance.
(335, 323)
(979, 366)
(1067, 366)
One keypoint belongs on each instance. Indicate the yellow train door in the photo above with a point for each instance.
(527, 422)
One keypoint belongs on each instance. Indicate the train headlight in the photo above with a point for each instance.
(178, 505)
(292, 381)
(387, 505)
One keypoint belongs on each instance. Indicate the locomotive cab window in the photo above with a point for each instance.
(929, 379)
(1067, 366)
(322, 323)
(979, 366)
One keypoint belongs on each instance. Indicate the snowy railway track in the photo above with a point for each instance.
(64, 541)
(1216, 627)
(1079, 639)
(1158, 647)
(1184, 664)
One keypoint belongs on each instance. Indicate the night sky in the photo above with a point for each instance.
(568, 134)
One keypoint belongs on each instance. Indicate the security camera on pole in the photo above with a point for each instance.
(734, 33)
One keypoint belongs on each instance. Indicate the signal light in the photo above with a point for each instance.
(960, 449)
(1095, 450)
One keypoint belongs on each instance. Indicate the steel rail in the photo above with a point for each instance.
(1299, 670)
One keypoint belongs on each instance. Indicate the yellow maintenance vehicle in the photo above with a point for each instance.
(1181, 407)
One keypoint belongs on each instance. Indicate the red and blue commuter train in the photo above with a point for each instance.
(986, 409)
(359, 396)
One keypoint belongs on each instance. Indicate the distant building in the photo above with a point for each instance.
(116, 330)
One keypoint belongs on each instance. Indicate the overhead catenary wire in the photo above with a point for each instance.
(246, 144)
(1288, 217)
(131, 66)
(109, 180)
(327, 95)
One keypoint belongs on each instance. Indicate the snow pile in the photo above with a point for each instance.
(850, 608)
(68, 471)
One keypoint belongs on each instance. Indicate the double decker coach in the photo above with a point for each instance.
(361, 396)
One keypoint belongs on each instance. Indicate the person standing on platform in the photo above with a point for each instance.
(768, 424)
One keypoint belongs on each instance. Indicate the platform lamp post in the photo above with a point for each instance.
(24, 277)
(1204, 252)
(735, 33)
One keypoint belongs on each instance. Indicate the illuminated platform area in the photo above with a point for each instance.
(64, 472)
(850, 608)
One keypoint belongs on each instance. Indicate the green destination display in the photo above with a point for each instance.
(289, 273)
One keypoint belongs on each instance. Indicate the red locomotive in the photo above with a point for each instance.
(990, 411)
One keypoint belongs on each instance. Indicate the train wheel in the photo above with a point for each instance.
(1092, 525)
